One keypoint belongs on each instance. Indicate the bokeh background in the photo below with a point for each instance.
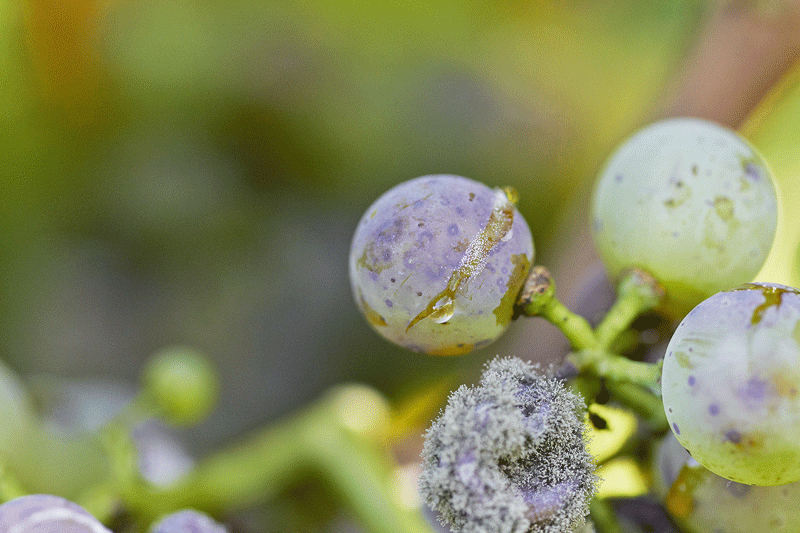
(191, 172)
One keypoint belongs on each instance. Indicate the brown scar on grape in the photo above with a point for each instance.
(680, 498)
(505, 310)
(772, 296)
(457, 349)
(372, 316)
(474, 259)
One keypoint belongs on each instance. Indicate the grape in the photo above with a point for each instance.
(183, 383)
(703, 501)
(187, 521)
(690, 202)
(436, 264)
(43, 513)
(731, 384)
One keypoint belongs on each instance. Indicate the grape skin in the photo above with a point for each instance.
(690, 202)
(187, 521)
(703, 501)
(44, 513)
(730, 384)
(434, 242)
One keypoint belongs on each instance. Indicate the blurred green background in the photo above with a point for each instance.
(191, 172)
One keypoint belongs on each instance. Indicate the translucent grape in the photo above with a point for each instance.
(731, 384)
(436, 264)
(187, 521)
(689, 201)
(703, 502)
(43, 513)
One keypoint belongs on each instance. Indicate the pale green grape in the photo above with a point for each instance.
(704, 502)
(690, 202)
(731, 384)
(436, 264)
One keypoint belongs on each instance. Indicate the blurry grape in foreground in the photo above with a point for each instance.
(187, 521)
(509, 456)
(731, 384)
(43, 513)
(436, 264)
(690, 202)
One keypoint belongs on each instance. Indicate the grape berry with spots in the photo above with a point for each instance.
(436, 263)
(689, 201)
(731, 384)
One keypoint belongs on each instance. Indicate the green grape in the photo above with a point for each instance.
(183, 384)
(437, 262)
(690, 202)
(731, 384)
(703, 502)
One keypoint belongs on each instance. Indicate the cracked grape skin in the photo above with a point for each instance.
(436, 264)
(731, 384)
(690, 202)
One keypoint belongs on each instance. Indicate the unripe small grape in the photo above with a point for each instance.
(436, 264)
(731, 384)
(183, 383)
(690, 202)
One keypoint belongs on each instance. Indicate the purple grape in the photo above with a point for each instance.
(187, 521)
(43, 513)
(436, 264)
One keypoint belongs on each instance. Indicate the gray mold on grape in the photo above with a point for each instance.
(436, 264)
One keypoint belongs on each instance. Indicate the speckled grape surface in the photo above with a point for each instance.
(432, 237)
(689, 201)
(704, 502)
(731, 384)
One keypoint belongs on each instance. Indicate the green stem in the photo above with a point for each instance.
(256, 469)
(604, 517)
(618, 368)
(637, 293)
(641, 401)
(537, 298)
(314, 441)
(574, 327)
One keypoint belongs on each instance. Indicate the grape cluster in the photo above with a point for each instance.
(690, 202)
(436, 263)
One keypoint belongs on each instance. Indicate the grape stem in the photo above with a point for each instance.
(538, 299)
(618, 368)
(311, 442)
(604, 517)
(637, 293)
(636, 384)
